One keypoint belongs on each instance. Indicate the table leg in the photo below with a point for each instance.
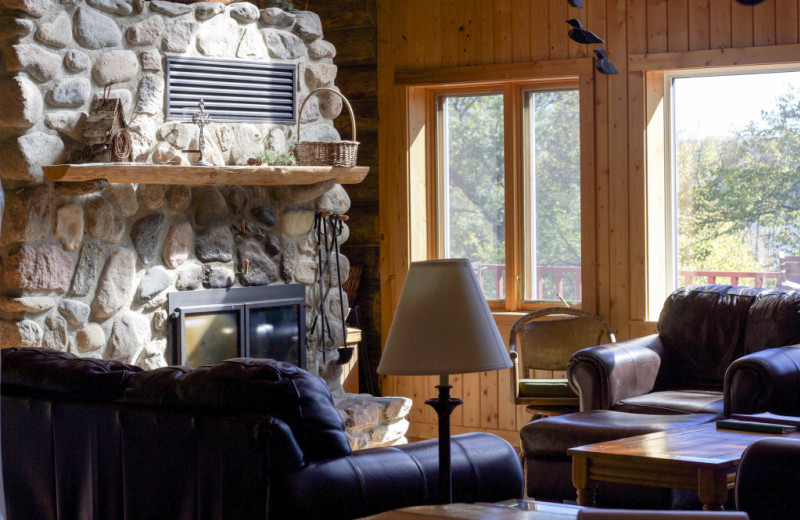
(580, 479)
(712, 489)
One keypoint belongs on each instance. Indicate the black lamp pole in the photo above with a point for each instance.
(444, 406)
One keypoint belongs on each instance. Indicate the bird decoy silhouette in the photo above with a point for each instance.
(749, 2)
(576, 3)
(581, 35)
(603, 64)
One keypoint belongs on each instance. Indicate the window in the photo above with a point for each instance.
(519, 222)
(733, 191)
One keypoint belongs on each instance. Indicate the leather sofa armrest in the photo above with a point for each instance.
(485, 468)
(605, 374)
(764, 381)
(767, 477)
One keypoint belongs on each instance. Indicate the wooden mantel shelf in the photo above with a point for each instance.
(197, 175)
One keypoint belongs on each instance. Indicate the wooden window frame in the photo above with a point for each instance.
(656, 70)
(421, 88)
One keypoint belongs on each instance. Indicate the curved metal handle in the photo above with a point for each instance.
(347, 103)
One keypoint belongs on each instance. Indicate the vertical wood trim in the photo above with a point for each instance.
(467, 37)
(457, 417)
(588, 195)
(741, 25)
(540, 30)
(431, 39)
(485, 30)
(786, 22)
(472, 400)
(656, 195)
(489, 403)
(602, 254)
(764, 24)
(637, 197)
(419, 393)
(449, 33)
(699, 24)
(513, 169)
(657, 26)
(618, 167)
(503, 43)
(559, 41)
(418, 143)
(521, 30)
(637, 27)
(720, 19)
(678, 25)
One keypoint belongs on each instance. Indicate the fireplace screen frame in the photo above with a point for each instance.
(242, 301)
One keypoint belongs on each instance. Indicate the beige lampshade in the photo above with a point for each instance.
(442, 324)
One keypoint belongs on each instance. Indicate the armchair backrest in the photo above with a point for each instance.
(773, 321)
(703, 329)
(548, 337)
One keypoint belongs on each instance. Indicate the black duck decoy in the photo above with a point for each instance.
(581, 35)
(576, 3)
(603, 64)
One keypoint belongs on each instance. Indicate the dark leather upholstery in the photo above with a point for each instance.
(241, 439)
(768, 479)
(682, 369)
(719, 350)
(549, 468)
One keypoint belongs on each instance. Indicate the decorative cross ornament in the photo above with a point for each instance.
(201, 119)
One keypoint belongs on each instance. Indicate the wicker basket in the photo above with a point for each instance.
(327, 153)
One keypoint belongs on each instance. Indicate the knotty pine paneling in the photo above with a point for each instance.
(418, 37)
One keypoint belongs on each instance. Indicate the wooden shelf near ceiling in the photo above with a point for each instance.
(204, 175)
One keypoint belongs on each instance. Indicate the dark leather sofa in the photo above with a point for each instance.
(241, 439)
(702, 332)
(720, 350)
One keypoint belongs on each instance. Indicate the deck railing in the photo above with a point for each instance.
(553, 278)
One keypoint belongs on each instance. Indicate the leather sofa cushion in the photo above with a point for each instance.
(703, 331)
(51, 374)
(551, 437)
(674, 402)
(773, 321)
(250, 386)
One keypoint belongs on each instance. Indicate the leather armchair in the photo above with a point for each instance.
(703, 330)
(768, 479)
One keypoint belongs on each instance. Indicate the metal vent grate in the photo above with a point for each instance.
(233, 90)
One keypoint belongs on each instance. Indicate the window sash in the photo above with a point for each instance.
(518, 192)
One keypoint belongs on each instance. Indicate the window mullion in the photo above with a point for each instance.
(513, 195)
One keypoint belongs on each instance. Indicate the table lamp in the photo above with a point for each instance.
(443, 326)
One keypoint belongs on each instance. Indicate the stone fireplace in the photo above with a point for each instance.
(87, 266)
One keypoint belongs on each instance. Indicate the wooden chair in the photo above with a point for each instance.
(544, 340)
(790, 272)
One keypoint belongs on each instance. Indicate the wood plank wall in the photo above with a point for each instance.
(431, 34)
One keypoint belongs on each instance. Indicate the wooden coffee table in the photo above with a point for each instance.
(702, 458)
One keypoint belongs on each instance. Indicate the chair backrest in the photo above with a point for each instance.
(546, 338)
(790, 268)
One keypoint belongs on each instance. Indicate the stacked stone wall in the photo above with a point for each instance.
(87, 266)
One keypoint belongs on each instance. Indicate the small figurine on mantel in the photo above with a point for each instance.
(106, 138)
(201, 119)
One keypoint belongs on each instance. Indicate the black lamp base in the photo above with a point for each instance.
(444, 406)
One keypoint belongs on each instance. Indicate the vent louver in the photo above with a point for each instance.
(233, 90)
